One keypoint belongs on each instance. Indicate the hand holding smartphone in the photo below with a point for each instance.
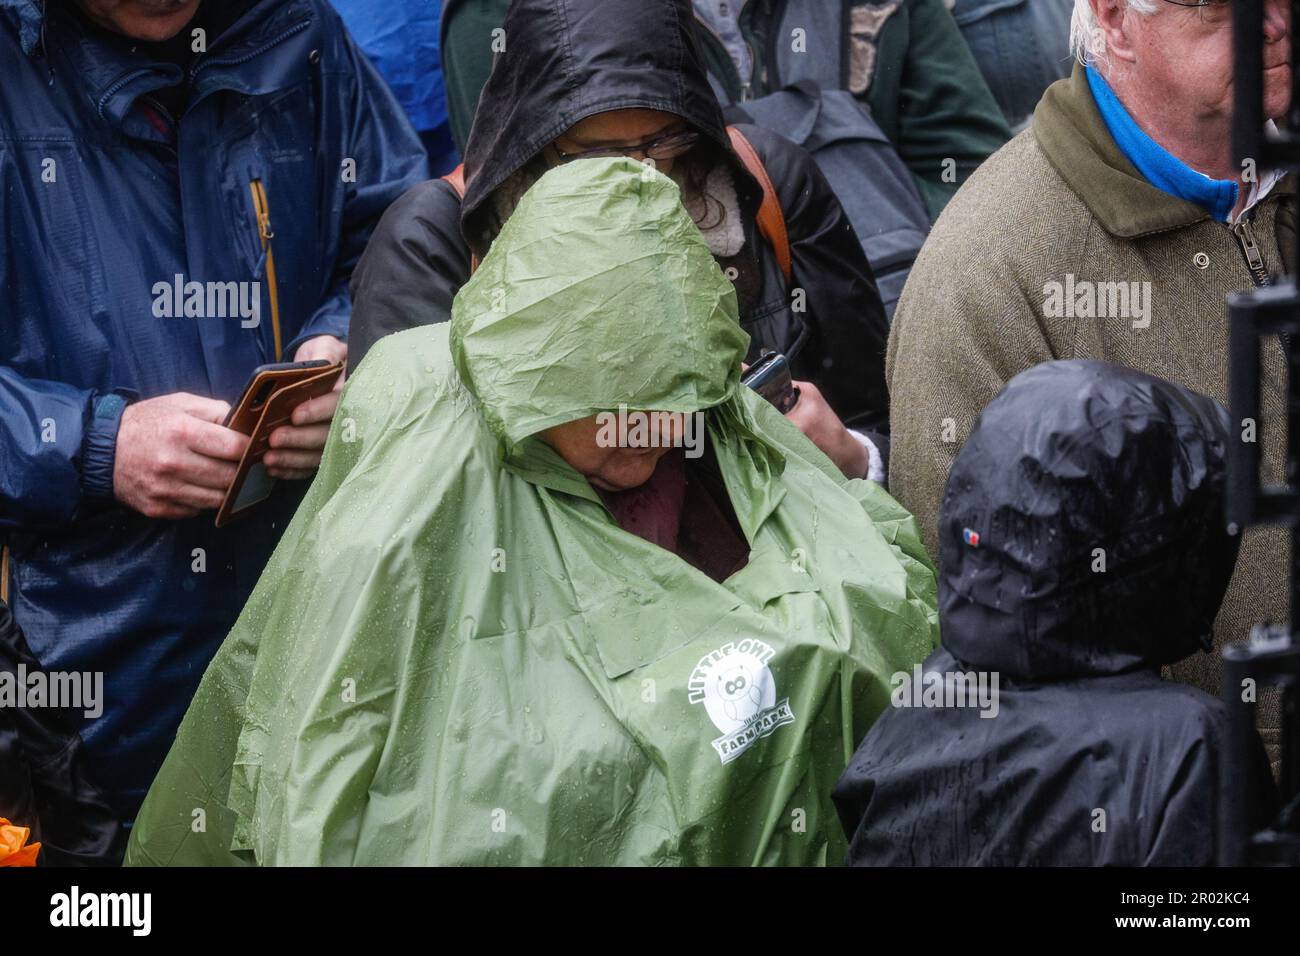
(269, 398)
(770, 377)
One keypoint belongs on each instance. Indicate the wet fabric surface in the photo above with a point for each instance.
(458, 656)
(1082, 547)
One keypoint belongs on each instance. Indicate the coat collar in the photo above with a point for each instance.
(1076, 141)
(1157, 165)
(113, 76)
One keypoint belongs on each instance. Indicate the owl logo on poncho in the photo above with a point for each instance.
(739, 687)
(738, 691)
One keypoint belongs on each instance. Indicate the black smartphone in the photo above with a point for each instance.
(770, 377)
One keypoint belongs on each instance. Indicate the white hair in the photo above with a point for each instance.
(1087, 42)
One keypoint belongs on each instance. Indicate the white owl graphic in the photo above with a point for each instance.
(739, 687)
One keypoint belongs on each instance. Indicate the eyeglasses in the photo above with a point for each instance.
(1200, 3)
(670, 146)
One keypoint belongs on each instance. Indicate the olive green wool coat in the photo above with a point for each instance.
(1060, 200)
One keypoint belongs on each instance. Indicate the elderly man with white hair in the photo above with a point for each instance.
(1111, 229)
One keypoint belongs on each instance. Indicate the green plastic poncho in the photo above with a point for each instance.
(456, 656)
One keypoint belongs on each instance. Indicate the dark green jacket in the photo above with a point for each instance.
(908, 63)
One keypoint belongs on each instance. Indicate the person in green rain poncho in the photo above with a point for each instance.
(494, 635)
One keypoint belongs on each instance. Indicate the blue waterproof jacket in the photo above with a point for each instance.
(401, 39)
(289, 144)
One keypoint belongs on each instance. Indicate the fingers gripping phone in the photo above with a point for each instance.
(272, 393)
(770, 377)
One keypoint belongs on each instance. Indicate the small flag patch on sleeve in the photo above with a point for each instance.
(972, 538)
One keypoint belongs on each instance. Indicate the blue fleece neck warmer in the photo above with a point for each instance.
(1161, 168)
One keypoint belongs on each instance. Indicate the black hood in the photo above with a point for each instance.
(565, 60)
(1072, 457)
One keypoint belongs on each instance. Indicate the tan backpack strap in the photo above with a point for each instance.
(456, 180)
(771, 220)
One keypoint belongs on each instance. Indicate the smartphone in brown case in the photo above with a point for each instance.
(268, 401)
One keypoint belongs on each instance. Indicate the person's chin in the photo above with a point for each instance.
(619, 484)
(624, 480)
(1277, 91)
(158, 27)
(151, 30)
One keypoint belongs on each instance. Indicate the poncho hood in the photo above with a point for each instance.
(531, 334)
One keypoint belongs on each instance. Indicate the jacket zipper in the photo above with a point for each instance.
(4, 574)
(1245, 234)
(740, 81)
(746, 83)
(126, 78)
(1259, 273)
(236, 61)
(262, 208)
(204, 62)
(117, 84)
(747, 87)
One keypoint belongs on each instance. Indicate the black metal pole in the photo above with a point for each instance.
(1248, 71)
(1272, 657)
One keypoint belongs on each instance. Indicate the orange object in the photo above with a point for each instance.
(771, 220)
(13, 848)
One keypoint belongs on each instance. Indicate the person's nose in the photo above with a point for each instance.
(1277, 20)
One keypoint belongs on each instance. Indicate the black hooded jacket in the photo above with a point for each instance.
(43, 777)
(566, 60)
(1082, 547)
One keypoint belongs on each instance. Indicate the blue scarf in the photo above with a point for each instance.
(1161, 168)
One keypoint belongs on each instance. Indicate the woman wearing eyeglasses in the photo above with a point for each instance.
(584, 78)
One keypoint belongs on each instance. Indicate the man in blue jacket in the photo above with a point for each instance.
(185, 186)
